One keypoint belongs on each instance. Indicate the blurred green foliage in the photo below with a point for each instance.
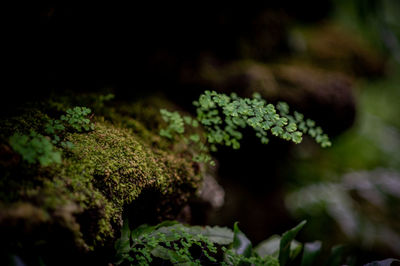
(35, 148)
(178, 244)
(354, 187)
(350, 193)
(175, 242)
(378, 20)
(77, 119)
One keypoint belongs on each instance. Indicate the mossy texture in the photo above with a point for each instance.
(102, 175)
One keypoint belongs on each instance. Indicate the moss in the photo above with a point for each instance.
(116, 163)
(22, 121)
(108, 169)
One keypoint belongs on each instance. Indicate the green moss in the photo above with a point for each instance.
(114, 161)
(105, 172)
(23, 122)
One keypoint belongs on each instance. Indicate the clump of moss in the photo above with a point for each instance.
(116, 163)
(105, 172)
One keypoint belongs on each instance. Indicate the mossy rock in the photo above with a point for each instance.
(121, 165)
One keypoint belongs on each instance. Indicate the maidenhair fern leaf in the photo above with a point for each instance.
(222, 116)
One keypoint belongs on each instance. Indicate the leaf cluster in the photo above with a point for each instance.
(223, 117)
(175, 124)
(179, 244)
(77, 119)
(35, 148)
(170, 241)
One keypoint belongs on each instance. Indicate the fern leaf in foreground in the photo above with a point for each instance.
(223, 117)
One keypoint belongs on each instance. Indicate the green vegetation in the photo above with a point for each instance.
(180, 244)
(116, 165)
(223, 116)
(196, 245)
(76, 118)
(104, 169)
(69, 177)
(364, 161)
(35, 148)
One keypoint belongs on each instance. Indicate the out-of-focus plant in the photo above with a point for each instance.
(365, 205)
(77, 119)
(99, 102)
(172, 242)
(378, 19)
(35, 148)
(195, 245)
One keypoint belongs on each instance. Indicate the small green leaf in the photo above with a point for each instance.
(276, 131)
(264, 140)
(283, 107)
(285, 243)
(297, 137)
(122, 245)
(270, 109)
(310, 123)
(235, 144)
(216, 234)
(295, 249)
(241, 244)
(298, 116)
(165, 133)
(187, 119)
(291, 127)
(303, 127)
(256, 95)
(163, 253)
(281, 122)
(310, 253)
(195, 123)
(312, 132)
(194, 138)
(269, 247)
(141, 230)
(286, 136)
(166, 223)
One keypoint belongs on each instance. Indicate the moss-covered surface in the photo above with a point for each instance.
(121, 161)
